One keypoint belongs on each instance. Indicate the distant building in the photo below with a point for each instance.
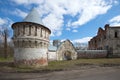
(31, 41)
(65, 51)
(107, 39)
(56, 43)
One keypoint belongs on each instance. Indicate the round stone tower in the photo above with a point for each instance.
(31, 40)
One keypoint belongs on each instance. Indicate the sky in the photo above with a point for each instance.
(76, 20)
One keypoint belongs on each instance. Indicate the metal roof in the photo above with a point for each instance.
(52, 48)
(34, 17)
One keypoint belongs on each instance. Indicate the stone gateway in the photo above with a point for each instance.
(62, 51)
(31, 40)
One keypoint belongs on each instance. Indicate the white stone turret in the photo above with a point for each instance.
(31, 40)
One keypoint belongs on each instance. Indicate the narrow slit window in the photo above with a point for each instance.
(116, 34)
(30, 30)
(35, 30)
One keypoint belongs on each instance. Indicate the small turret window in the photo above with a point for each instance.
(41, 32)
(35, 30)
(30, 30)
(23, 29)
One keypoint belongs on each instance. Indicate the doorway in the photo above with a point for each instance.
(67, 55)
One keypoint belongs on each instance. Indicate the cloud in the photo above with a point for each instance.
(91, 11)
(82, 11)
(68, 29)
(20, 12)
(5, 23)
(115, 21)
(2, 21)
(54, 23)
(82, 40)
(74, 31)
(28, 2)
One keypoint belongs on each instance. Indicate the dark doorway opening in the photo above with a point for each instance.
(67, 55)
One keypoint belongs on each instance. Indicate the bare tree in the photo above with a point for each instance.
(5, 33)
(81, 46)
(4, 37)
(77, 46)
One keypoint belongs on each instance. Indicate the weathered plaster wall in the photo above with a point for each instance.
(31, 42)
(52, 56)
(92, 53)
(30, 56)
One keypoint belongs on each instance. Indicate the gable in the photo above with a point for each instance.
(66, 51)
(66, 45)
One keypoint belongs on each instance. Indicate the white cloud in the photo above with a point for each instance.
(82, 40)
(115, 21)
(82, 11)
(91, 10)
(21, 13)
(68, 29)
(75, 31)
(2, 21)
(54, 23)
(5, 23)
(28, 2)
(85, 10)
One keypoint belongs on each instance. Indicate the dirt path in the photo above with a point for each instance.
(96, 73)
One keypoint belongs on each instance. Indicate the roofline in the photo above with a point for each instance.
(114, 27)
(32, 23)
(64, 42)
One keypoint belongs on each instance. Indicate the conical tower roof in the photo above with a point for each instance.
(34, 17)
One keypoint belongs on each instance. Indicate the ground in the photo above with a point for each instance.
(86, 73)
(96, 69)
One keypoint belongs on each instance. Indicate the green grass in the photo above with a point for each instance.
(62, 65)
(69, 64)
(2, 59)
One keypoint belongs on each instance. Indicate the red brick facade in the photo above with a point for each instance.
(97, 42)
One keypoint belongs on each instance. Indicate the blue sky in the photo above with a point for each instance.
(77, 20)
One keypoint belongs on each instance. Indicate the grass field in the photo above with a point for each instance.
(72, 63)
(2, 59)
(60, 65)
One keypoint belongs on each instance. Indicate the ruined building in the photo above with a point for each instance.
(31, 40)
(107, 39)
(62, 51)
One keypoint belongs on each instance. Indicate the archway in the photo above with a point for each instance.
(67, 55)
